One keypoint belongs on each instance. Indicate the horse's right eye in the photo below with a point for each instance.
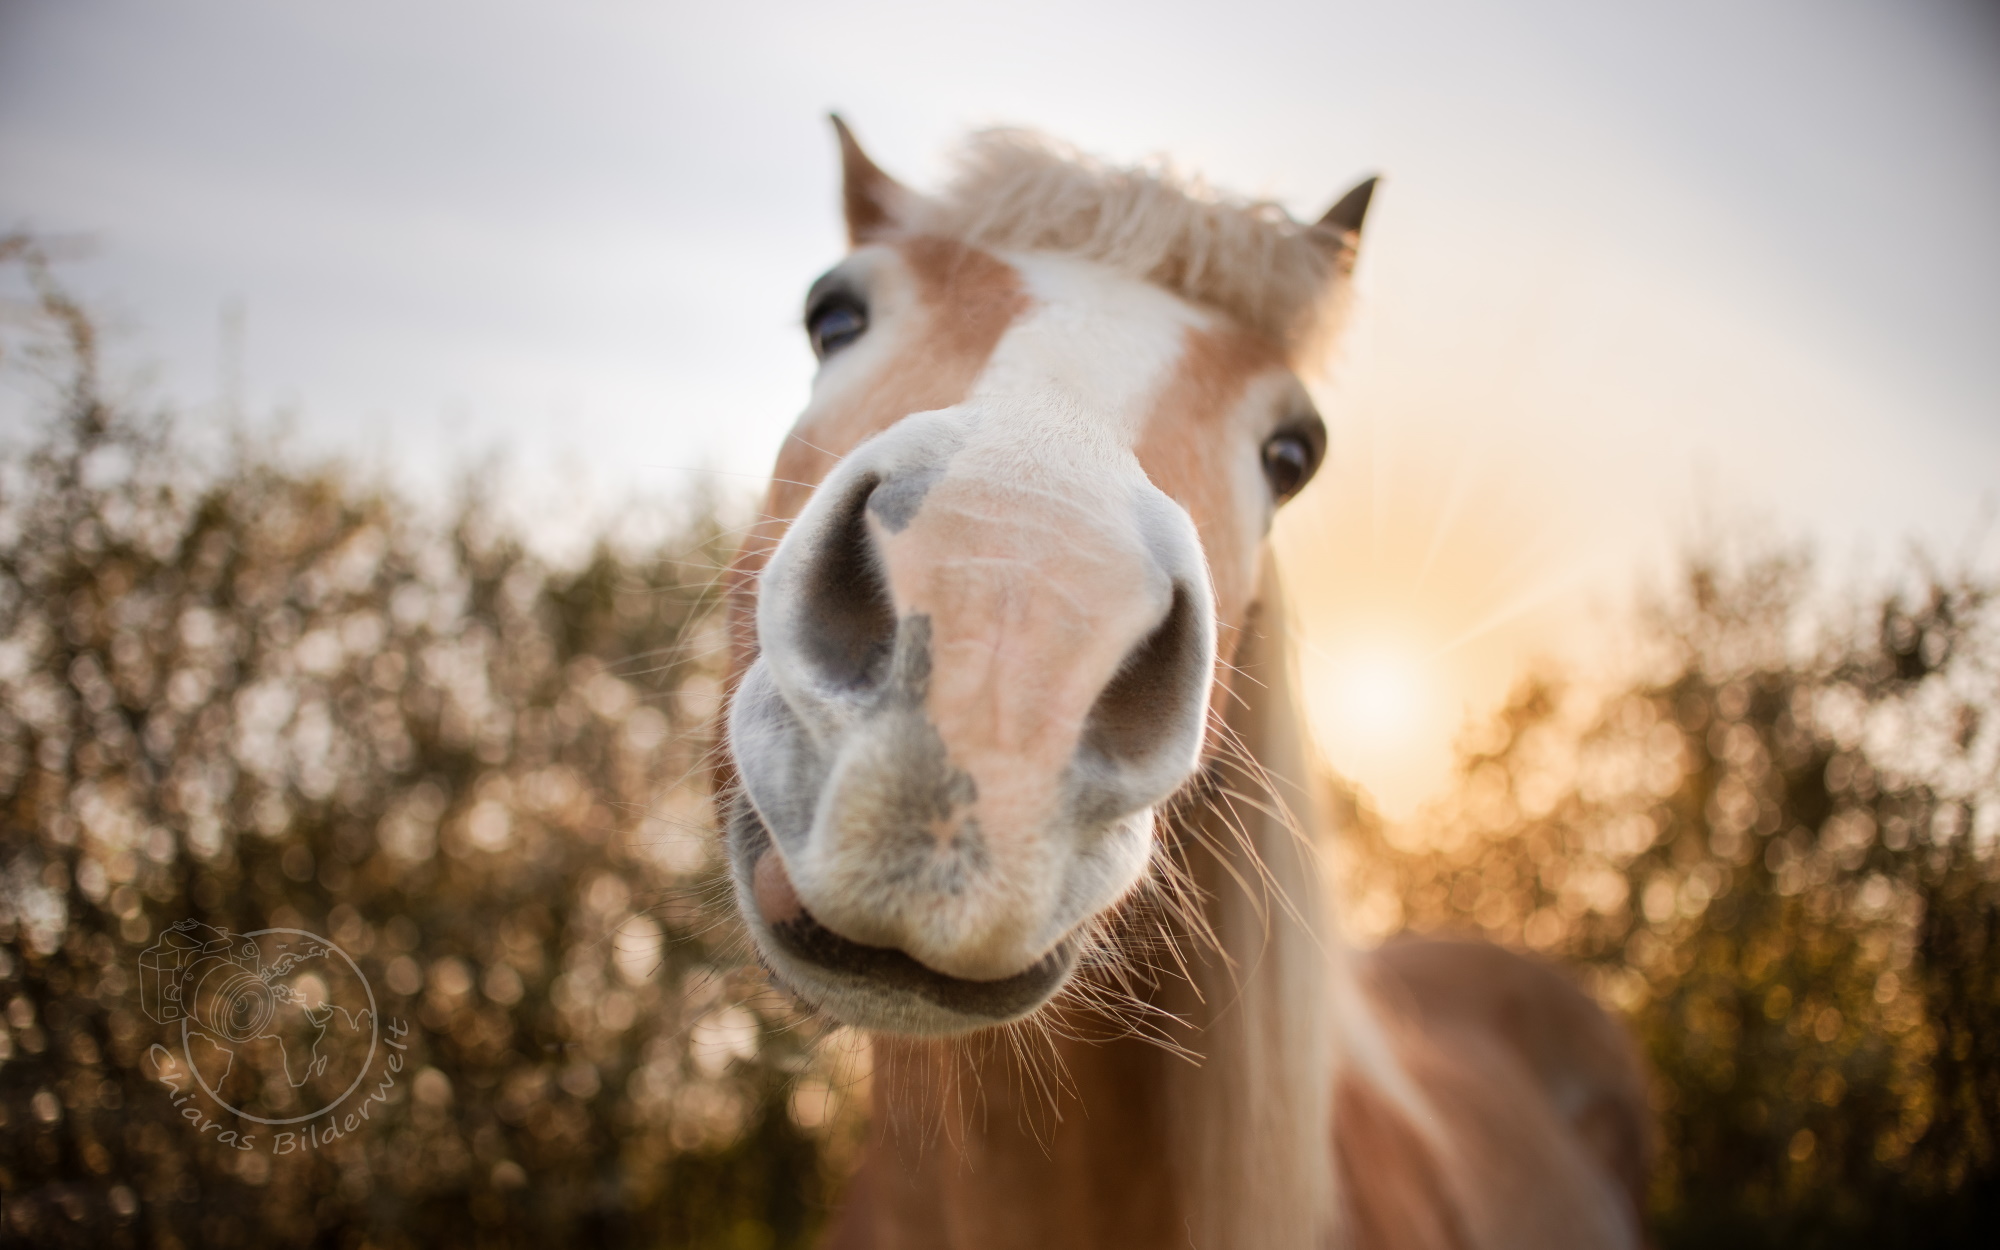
(835, 322)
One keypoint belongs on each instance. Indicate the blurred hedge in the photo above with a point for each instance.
(262, 696)
(1778, 856)
(258, 696)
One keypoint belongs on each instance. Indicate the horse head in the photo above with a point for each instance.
(1008, 554)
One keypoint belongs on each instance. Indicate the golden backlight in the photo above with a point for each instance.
(1441, 551)
(1376, 693)
(1375, 705)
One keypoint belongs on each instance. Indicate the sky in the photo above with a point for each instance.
(1631, 265)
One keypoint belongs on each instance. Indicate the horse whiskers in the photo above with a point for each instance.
(1052, 1082)
(1216, 792)
(1126, 1014)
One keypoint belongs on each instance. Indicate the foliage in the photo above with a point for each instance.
(262, 697)
(1779, 857)
(258, 696)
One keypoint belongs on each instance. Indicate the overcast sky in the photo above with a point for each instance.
(1629, 261)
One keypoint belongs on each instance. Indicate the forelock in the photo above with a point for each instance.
(1021, 191)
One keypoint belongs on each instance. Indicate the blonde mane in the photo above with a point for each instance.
(1021, 191)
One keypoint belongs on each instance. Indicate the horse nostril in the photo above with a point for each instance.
(848, 622)
(1148, 703)
(771, 886)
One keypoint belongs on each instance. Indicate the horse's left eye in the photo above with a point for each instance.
(835, 322)
(1292, 454)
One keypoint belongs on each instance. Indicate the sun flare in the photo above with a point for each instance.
(1377, 692)
(1382, 712)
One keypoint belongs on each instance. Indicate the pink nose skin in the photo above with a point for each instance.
(771, 885)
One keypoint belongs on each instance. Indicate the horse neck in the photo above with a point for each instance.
(1087, 1137)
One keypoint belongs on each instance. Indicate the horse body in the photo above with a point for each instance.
(1022, 783)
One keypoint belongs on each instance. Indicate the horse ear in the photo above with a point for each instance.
(875, 203)
(1340, 230)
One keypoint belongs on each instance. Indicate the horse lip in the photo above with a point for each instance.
(802, 937)
(807, 939)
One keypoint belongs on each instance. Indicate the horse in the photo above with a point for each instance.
(1013, 775)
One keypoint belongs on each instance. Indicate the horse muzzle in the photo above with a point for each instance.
(972, 689)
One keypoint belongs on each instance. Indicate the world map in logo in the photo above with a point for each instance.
(279, 1026)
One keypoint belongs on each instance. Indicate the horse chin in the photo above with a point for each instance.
(872, 987)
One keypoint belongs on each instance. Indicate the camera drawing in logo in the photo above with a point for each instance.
(278, 1026)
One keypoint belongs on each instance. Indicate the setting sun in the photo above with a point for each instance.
(1382, 713)
(1377, 692)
